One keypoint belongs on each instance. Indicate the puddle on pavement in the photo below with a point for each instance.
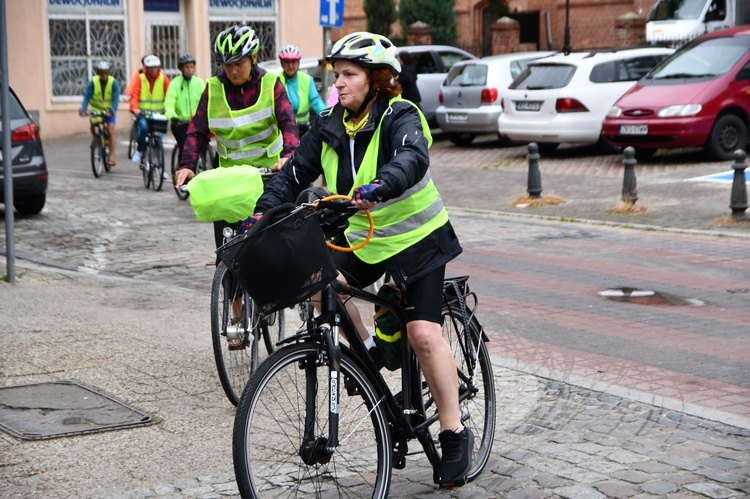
(647, 297)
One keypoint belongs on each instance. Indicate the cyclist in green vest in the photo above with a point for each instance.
(102, 95)
(182, 98)
(246, 108)
(148, 88)
(373, 146)
(300, 87)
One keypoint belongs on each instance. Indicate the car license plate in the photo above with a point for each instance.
(458, 117)
(528, 105)
(633, 129)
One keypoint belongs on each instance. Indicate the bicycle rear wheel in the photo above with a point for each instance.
(97, 161)
(233, 316)
(273, 453)
(477, 410)
(105, 152)
(157, 164)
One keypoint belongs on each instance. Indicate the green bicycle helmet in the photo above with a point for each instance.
(236, 42)
(368, 50)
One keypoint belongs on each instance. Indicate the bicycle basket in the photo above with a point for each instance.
(157, 123)
(282, 259)
(227, 194)
(97, 119)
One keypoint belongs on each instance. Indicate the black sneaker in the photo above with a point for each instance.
(377, 357)
(456, 456)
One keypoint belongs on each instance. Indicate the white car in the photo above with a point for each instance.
(432, 63)
(470, 95)
(564, 98)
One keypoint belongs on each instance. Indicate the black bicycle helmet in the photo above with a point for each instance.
(236, 42)
(185, 59)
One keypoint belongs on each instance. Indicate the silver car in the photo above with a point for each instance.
(432, 63)
(471, 94)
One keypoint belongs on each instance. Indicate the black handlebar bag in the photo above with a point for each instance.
(282, 259)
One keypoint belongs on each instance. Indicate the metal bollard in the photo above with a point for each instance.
(535, 178)
(738, 201)
(629, 194)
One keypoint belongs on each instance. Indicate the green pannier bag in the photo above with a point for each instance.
(225, 193)
(387, 328)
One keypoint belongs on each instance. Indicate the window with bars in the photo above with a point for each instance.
(79, 42)
(266, 31)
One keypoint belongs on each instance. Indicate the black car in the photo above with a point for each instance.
(29, 166)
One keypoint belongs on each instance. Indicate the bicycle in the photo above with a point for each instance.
(295, 433)
(205, 162)
(99, 143)
(238, 326)
(152, 160)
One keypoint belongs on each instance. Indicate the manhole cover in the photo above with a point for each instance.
(647, 297)
(63, 408)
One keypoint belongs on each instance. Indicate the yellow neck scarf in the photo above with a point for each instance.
(351, 127)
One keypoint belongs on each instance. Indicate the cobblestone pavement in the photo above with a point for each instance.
(595, 399)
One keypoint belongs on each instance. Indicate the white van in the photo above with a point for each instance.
(676, 22)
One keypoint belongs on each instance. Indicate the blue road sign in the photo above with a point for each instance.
(331, 13)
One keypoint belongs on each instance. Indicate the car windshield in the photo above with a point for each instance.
(16, 111)
(712, 57)
(544, 76)
(464, 75)
(667, 10)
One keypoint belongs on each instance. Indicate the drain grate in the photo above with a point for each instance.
(63, 408)
(647, 297)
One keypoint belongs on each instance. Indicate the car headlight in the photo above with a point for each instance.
(679, 110)
(614, 112)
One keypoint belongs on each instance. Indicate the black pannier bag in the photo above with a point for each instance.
(282, 259)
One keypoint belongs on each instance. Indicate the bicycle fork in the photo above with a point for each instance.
(319, 449)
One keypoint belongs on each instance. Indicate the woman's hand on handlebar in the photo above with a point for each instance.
(367, 196)
(183, 176)
(279, 164)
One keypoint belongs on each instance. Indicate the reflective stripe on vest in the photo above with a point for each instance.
(245, 136)
(302, 113)
(101, 101)
(399, 222)
(152, 101)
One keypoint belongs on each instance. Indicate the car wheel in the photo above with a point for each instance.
(604, 147)
(728, 134)
(31, 204)
(644, 153)
(547, 147)
(462, 139)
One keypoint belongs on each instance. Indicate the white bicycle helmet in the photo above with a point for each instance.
(102, 66)
(151, 61)
(236, 42)
(366, 49)
(290, 53)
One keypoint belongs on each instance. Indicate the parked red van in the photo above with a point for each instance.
(698, 97)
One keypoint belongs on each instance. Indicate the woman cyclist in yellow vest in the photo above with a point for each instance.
(102, 95)
(373, 146)
(300, 87)
(148, 88)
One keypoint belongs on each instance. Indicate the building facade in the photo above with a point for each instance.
(591, 22)
(53, 44)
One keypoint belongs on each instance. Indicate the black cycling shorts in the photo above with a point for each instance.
(423, 299)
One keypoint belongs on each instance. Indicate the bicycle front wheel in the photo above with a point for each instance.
(133, 140)
(157, 164)
(233, 334)
(146, 166)
(182, 194)
(105, 153)
(97, 155)
(476, 384)
(281, 428)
